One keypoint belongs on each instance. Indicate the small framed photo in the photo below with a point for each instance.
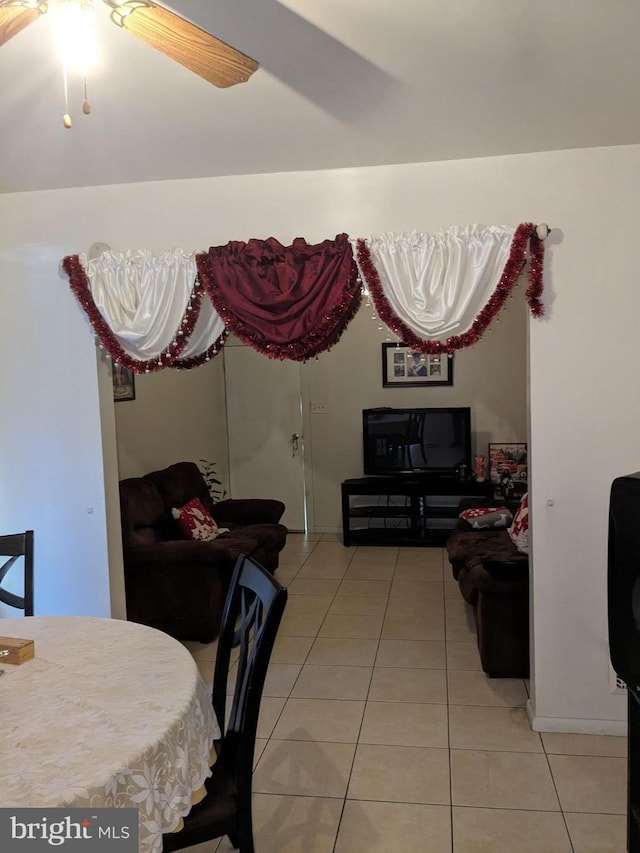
(124, 387)
(508, 470)
(405, 367)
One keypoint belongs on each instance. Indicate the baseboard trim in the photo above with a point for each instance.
(577, 726)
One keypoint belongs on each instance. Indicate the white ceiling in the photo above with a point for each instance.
(341, 83)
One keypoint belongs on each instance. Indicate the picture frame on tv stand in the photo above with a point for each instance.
(405, 367)
(508, 468)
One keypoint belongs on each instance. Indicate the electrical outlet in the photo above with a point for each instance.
(319, 409)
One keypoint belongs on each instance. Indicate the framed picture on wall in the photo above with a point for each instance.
(508, 468)
(404, 367)
(124, 387)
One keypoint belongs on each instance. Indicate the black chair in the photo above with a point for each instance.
(14, 546)
(252, 613)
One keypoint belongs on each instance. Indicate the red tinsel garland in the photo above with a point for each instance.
(207, 355)
(525, 235)
(170, 356)
(536, 266)
(320, 339)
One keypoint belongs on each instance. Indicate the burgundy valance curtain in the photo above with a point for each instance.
(288, 302)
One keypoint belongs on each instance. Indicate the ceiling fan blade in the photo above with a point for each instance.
(200, 52)
(13, 19)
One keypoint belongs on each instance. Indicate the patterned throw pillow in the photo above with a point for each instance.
(484, 517)
(195, 522)
(519, 530)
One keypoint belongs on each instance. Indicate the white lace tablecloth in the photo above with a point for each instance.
(108, 713)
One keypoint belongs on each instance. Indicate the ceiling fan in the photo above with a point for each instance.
(180, 40)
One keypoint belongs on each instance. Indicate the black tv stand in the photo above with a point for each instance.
(424, 512)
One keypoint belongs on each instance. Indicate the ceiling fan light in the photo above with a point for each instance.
(73, 24)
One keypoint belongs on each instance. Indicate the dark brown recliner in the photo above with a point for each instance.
(493, 577)
(178, 585)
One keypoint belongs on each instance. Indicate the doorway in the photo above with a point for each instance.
(265, 431)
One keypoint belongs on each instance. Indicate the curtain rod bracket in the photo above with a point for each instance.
(97, 249)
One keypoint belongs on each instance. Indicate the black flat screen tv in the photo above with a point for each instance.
(416, 441)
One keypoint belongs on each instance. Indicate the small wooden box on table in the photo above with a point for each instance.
(16, 650)
(425, 517)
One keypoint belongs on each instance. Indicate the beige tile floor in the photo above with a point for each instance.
(379, 733)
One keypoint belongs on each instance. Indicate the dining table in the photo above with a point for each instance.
(108, 713)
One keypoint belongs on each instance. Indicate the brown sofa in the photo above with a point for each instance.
(178, 585)
(493, 577)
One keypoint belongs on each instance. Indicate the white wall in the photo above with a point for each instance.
(490, 378)
(177, 416)
(584, 409)
(52, 473)
(585, 424)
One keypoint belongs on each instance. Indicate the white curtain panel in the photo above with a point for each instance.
(438, 284)
(143, 297)
(209, 326)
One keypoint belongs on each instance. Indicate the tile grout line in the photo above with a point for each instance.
(302, 665)
(364, 710)
(446, 682)
(335, 840)
(555, 788)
